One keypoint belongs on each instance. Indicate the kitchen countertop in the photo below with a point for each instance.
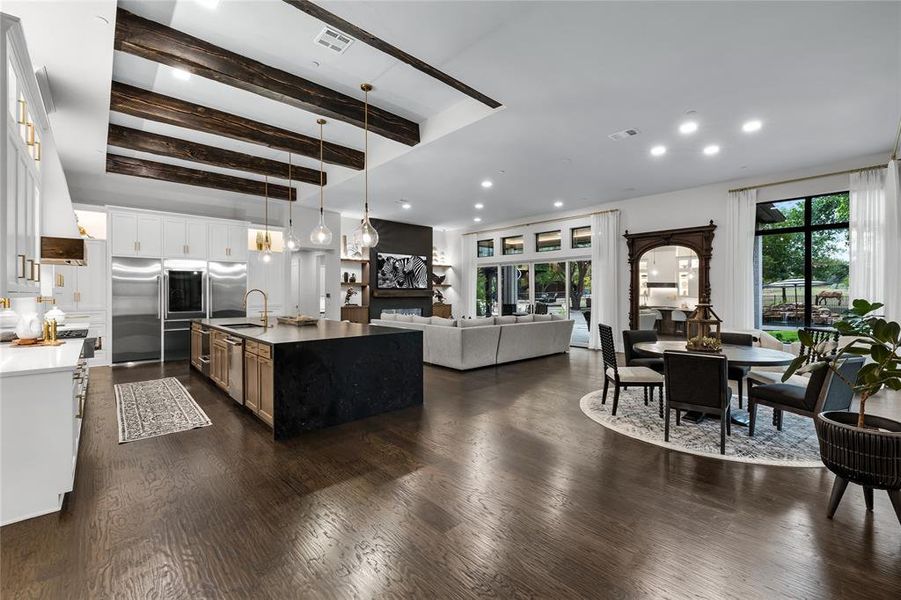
(279, 333)
(15, 360)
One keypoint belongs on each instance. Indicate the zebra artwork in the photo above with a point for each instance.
(402, 271)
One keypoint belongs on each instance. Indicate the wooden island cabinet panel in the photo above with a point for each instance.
(259, 387)
(267, 390)
(251, 380)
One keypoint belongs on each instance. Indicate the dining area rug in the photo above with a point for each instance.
(795, 446)
(146, 409)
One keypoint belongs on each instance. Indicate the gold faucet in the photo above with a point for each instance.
(265, 304)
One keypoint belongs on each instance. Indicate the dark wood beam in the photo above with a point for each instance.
(137, 167)
(379, 44)
(153, 41)
(165, 109)
(162, 145)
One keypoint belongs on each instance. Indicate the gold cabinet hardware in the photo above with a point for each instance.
(60, 280)
(21, 273)
(23, 112)
(29, 134)
(36, 151)
(80, 398)
(36, 271)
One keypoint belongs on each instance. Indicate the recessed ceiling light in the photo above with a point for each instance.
(181, 74)
(658, 150)
(752, 126)
(711, 149)
(406, 205)
(477, 219)
(479, 205)
(558, 203)
(688, 127)
(487, 183)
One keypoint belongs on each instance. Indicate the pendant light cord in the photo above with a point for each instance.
(321, 170)
(366, 154)
(266, 210)
(290, 172)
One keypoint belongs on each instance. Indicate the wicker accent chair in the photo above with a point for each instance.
(698, 382)
(625, 377)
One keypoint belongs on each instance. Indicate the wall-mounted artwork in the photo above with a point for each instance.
(402, 272)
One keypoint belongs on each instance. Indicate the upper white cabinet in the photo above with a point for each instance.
(184, 238)
(83, 288)
(24, 124)
(228, 242)
(136, 234)
(269, 277)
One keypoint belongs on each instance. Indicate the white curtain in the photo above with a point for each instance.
(605, 274)
(738, 261)
(467, 276)
(868, 236)
(893, 242)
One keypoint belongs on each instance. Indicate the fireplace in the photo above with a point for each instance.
(403, 311)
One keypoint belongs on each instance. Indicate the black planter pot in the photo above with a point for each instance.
(868, 457)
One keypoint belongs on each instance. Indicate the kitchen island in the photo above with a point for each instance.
(304, 378)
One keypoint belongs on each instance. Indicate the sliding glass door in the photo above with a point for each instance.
(580, 300)
(486, 291)
(515, 290)
(550, 288)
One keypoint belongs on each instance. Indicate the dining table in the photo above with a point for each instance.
(741, 356)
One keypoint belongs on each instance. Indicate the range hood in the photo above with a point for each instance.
(63, 251)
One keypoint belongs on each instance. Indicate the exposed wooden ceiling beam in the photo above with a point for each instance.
(162, 145)
(379, 44)
(137, 167)
(153, 41)
(165, 109)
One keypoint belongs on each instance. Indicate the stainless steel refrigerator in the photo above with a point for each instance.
(185, 297)
(228, 282)
(137, 309)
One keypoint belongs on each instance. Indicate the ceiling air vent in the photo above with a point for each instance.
(621, 135)
(333, 40)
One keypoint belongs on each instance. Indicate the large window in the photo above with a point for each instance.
(515, 289)
(485, 248)
(486, 291)
(547, 241)
(581, 237)
(512, 245)
(802, 263)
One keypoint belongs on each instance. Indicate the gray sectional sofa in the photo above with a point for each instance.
(481, 342)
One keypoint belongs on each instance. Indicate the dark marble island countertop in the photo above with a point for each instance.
(279, 333)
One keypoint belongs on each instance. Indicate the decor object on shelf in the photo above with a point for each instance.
(402, 271)
(441, 310)
(867, 452)
(346, 276)
(353, 277)
(350, 293)
(321, 235)
(266, 251)
(291, 241)
(439, 297)
(55, 313)
(438, 279)
(703, 322)
(365, 235)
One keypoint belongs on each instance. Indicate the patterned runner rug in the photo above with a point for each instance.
(795, 446)
(147, 409)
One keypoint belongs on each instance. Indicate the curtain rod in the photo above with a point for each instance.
(594, 212)
(846, 172)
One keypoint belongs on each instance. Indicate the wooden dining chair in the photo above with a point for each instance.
(625, 377)
(697, 382)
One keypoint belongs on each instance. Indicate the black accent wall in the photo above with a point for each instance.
(399, 238)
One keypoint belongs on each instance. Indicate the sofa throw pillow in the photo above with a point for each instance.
(543, 317)
(388, 317)
(477, 322)
(422, 320)
(444, 322)
(404, 318)
(506, 320)
(525, 319)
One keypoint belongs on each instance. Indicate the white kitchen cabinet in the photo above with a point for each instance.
(228, 242)
(184, 238)
(83, 288)
(136, 234)
(269, 277)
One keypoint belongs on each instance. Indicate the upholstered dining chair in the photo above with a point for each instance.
(736, 373)
(824, 391)
(679, 320)
(697, 382)
(774, 375)
(635, 358)
(626, 377)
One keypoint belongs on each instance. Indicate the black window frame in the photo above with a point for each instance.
(479, 248)
(559, 247)
(572, 237)
(808, 229)
(522, 247)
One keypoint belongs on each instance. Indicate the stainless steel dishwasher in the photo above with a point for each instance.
(235, 368)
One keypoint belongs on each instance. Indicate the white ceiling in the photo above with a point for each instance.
(823, 77)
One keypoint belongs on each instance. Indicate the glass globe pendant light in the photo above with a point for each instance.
(266, 253)
(365, 235)
(321, 235)
(292, 243)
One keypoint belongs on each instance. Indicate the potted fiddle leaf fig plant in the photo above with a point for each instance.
(863, 449)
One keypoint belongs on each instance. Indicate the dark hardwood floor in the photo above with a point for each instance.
(497, 486)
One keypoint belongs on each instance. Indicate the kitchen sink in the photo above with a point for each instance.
(243, 325)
